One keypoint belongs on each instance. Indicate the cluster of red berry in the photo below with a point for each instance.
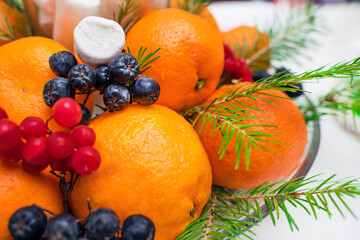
(237, 67)
(38, 147)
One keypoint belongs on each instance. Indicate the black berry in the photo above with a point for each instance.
(102, 78)
(27, 223)
(138, 227)
(62, 227)
(123, 69)
(61, 63)
(86, 115)
(261, 75)
(296, 93)
(145, 91)
(116, 97)
(102, 223)
(82, 78)
(284, 71)
(55, 89)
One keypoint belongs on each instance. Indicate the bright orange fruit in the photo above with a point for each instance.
(192, 55)
(24, 69)
(267, 165)
(153, 164)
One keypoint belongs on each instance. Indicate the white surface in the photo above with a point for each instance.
(339, 151)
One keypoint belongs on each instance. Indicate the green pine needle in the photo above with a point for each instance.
(18, 4)
(194, 6)
(343, 100)
(21, 28)
(145, 60)
(287, 38)
(230, 214)
(129, 14)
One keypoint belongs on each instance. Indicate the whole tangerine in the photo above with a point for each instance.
(192, 55)
(265, 165)
(153, 164)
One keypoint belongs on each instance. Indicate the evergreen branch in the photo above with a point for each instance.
(218, 221)
(193, 6)
(211, 216)
(129, 14)
(230, 214)
(288, 38)
(144, 61)
(19, 5)
(8, 32)
(21, 28)
(342, 100)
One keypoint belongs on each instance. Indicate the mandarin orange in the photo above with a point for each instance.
(192, 55)
(24, 69)
(153, 164)
(266, 165)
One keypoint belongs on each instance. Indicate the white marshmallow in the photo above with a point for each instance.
(97, 40)
(68, 14)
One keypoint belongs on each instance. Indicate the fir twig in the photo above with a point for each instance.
(18, 4)
(21, 28)
(228, 215)
(145, 60)
(343, 100)
(288, 38)
(193, 6)
(129, 14)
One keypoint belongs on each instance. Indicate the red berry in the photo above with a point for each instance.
(85, 160)
(35, 152)
(61, 164)
(10, 134)
(231, 65)
(83, 136)
(228, 52)
(67, 112)
(33, 168)
(12, 155)
(60, 145)
(3, 113)
(33, 127)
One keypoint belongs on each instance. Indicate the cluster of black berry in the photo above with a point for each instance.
(119, 82)
(31, 223)
(261, 75)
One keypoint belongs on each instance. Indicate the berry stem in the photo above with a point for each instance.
(89, 206)
(87, 97)
(66, 187)
(45, 210)
(47, 125)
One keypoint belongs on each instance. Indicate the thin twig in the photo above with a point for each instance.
(291, 194)
(211, 216)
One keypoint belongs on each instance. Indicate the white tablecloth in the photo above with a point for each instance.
(339, 150)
